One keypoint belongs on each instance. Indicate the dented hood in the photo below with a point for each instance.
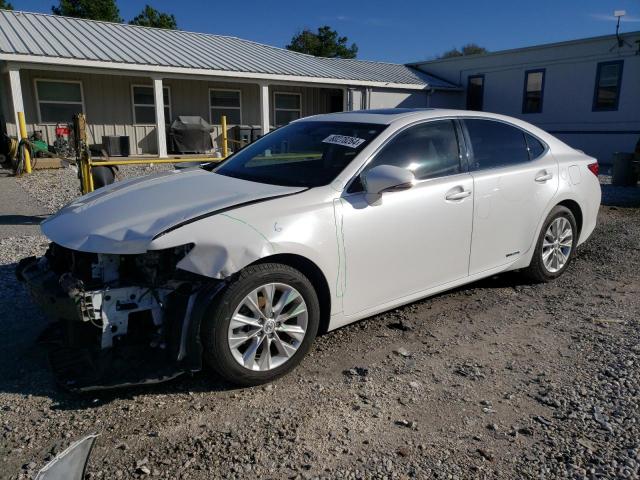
(124, 217)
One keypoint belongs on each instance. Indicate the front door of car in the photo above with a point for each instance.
(514, 180)
(411, 240)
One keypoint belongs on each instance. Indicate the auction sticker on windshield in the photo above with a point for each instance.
(345, 141)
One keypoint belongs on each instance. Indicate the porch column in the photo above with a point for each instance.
(264, 107)
(16, 95)
(161, 133)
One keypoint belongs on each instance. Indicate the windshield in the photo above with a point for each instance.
(302, 154)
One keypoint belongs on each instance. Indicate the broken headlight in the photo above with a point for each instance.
(154, 267)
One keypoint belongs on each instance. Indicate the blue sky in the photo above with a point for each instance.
(394, 31)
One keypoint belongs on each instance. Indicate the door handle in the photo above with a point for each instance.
(458, 195)
(543, 176)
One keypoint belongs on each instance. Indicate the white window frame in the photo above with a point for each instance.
(55, 80)
(211, 107)
(134, 105)
(276, 109)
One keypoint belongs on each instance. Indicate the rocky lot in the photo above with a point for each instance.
(498, 379)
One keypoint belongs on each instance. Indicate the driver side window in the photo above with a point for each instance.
(429, 150)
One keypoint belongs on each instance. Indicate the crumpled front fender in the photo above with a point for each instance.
(223, 245)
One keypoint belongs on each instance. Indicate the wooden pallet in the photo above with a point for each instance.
(45, 162)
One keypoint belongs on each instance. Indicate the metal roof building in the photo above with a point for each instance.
(42, 38)
(39, 53)
(585, 91)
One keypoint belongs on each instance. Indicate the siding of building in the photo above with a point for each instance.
(396, 98)
(570, 76)
(383, 98)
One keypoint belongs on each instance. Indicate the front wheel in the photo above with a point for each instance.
(262, 324)
(556, 246)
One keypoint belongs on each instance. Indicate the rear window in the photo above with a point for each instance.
(535, 147)
(302, 154)
(496, 144)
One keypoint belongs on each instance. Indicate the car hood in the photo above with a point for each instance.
(124, 217)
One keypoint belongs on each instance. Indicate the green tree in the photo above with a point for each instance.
(468, 49)
(5, 5)
(150, 17)
(105, 10)
(325, 43)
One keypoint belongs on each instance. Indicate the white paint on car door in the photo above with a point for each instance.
(509, 202)
(410, 241)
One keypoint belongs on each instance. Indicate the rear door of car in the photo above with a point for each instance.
(515, 176)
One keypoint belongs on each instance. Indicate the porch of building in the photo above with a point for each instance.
(142, 107)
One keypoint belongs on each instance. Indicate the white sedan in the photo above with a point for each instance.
(318, 224)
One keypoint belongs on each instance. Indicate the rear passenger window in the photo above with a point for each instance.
(429, 150)
(535, 147)
(496, 144)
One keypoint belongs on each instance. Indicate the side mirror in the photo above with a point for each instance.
(387, 178)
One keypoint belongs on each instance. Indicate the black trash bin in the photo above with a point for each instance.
(624, 170)
(242, 135)
(256, 133)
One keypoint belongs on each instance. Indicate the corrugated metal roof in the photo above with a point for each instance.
(41, 35)
(554, 45)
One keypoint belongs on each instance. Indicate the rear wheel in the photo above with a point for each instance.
(555, 247)
(262, 325)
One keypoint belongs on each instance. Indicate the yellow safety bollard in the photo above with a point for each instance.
(90, 176)
(83, 176)
(225, 140)
(23, 136)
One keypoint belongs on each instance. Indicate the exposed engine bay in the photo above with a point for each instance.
(120, 319)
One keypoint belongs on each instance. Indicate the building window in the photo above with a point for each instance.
(475, 92)
(287, 107)
(144, 109)
(225, 102)
(58, 100)
(533, 91)
(608, 81)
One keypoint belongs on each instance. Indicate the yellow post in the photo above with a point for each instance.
(23, 136)
(83, 176)
(225, 140)
(90, 175)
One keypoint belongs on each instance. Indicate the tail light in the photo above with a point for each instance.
(594, 167)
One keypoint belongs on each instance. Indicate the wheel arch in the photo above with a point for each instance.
(569, 203)
(575, 209)
(315, 275)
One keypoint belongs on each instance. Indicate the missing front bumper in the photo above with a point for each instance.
(111, 337)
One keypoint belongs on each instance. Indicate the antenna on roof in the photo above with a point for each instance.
(621, 41)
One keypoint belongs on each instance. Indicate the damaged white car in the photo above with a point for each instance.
(326, 221)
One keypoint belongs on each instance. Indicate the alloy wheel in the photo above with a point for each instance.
(268, 327)
(557, 244)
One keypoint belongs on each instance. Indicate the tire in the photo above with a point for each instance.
(541, 271)
(219, 336)
(102, 176)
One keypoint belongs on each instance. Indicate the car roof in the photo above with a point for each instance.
(403, 116)
(383, 116)
(386, 116)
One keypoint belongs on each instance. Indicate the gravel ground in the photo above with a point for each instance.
(56, 187)
(498, 379)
